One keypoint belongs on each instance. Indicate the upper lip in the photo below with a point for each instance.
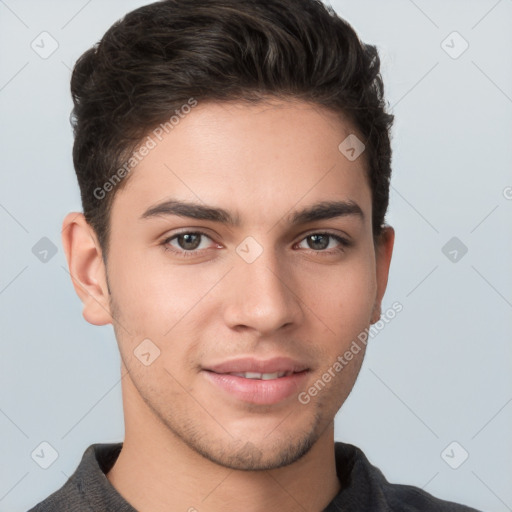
(251, 364)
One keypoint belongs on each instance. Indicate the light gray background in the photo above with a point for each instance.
(439, 372)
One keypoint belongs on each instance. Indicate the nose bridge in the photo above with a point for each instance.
(263, 292)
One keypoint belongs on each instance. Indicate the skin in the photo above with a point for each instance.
(189, 446)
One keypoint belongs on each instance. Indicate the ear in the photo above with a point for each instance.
(383, 252)
(85, 263)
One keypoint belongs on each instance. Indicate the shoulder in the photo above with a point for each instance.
(87, 483)
(367, 480)
(407, 498)
(68, 498)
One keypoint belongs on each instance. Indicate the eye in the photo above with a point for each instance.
(320, 242)
(187, 243)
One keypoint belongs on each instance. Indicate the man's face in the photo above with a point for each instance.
(261, 289)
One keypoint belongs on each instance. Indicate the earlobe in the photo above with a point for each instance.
(383, 253)
(376, 313)
(86, 267)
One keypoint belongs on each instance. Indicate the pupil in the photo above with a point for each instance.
(316, 238)
(188, 241)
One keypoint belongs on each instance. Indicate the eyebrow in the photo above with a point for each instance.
(319, 211)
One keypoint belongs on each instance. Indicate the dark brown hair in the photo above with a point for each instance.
(157, 58)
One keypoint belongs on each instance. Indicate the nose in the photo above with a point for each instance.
(262, 295)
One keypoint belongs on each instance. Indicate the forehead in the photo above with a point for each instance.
(273, 155)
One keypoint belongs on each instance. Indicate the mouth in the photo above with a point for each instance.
(257, 381)
(260, 376)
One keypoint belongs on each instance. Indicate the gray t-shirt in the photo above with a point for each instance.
(364, 487)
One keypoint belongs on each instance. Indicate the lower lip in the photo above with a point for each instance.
(258, 391)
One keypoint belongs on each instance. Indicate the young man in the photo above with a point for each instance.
(234, 162)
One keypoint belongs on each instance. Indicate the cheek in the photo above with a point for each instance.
(169, 305)
(158, 306)
(154, 295)
(344, 297)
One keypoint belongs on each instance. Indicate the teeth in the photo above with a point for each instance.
(262, 376)
(268, 376)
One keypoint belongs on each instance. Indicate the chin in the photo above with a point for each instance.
(246, 455)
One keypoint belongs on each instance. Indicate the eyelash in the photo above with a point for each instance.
(186, 254)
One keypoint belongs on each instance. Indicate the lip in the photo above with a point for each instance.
(251, 364)
(258, 391)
